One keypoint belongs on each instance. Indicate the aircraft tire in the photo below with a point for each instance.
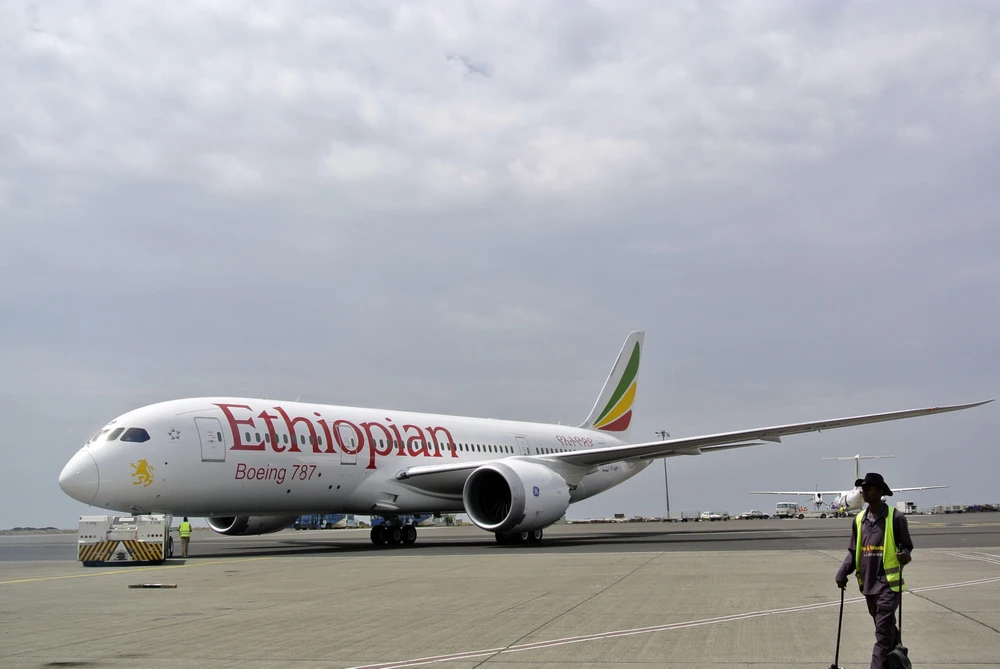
(378, 535)
(502, 538)
(394, 535)
(523, 537)
(535, 536)
(409, 534)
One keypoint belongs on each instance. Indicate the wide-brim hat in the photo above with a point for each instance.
(873, 479)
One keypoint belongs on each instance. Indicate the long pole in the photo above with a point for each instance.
(666, 486)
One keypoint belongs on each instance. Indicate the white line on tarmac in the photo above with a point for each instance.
(992, 559)
(642, 630)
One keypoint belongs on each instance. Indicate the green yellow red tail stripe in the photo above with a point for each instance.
(617, 413)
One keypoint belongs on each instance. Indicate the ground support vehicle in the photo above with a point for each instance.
(906, 507)
(324, 521)
(818, 513)
(124, 539)
(789, 510)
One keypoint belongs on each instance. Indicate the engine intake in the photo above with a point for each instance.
(238, 526)
(515, 495)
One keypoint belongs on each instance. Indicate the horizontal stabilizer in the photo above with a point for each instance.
(805, 493)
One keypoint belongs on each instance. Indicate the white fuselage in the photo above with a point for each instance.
(849, 500)
(239, 456)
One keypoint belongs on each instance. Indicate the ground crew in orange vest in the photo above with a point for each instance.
(880, 546)
(184, 529)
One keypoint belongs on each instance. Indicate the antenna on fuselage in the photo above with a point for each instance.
(857, 461)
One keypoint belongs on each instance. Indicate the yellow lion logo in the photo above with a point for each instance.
(142, 472)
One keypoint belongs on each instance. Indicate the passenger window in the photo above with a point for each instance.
(115, 432)
(248, 437)
(135, 435)
(285, 436)
(267, 437)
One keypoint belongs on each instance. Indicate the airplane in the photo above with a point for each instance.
(845, 500)
(251, 466)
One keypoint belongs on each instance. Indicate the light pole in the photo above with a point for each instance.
(666, 486)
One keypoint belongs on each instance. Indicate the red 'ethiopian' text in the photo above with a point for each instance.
(319, 435)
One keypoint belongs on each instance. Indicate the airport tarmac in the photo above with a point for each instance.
(733, 594)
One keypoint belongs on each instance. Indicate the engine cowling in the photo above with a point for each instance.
(237, 526)
(515, 495)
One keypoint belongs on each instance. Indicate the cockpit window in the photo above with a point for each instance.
(99, 434)
(114, 433)
(135, 434)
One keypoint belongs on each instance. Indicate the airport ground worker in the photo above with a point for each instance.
(184, 529)
(880, 546)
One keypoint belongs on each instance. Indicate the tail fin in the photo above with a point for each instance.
(612, 412)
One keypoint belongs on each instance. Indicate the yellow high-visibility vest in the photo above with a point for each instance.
(890, 562)
(184, 529)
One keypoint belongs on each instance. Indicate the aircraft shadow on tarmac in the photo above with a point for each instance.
(733, 539)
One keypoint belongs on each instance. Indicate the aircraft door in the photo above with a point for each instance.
(349, 439)
(522, 445)
(213, 446)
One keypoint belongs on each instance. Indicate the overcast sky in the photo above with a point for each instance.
(465, 208)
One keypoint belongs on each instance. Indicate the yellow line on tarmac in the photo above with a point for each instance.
(111, 571)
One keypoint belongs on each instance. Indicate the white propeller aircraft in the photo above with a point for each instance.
(844, 500)
(251, 466)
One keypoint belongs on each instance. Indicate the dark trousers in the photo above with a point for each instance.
(882, 608)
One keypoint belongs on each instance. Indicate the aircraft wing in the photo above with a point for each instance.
(808, 493)
(448, 479)
(704, 444)
(925, 487)
(445, 478)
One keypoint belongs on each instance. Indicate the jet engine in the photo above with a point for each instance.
(236, 526)
(515, 495)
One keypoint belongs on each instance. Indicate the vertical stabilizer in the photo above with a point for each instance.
(612, 412)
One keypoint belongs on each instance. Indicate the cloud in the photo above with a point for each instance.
(721, 92)
(458, 208)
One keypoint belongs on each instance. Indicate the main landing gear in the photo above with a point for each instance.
(523, 537)
(393, 534)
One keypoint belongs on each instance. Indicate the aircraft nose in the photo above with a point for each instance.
(79, 478)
